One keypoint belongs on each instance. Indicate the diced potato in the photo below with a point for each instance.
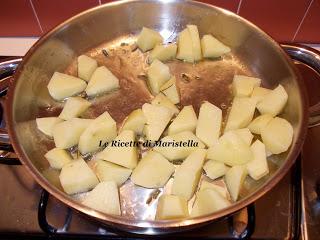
(189, 143)
(208, 201)
(67, 134)
(215, 169)
(121, 150)
(77, 177)
(187, 176)
(104, 198)
(152, 171)
(196, 46)
(234, 179)
(58, 158)
(274, 102)
(158, 118)
(101, 130)
(241, 113)
(163, 52)
(277, 135)
(185, 49)
(171, 207)
(62, 86)
(209, 123)
(47, 124)
(148, 39)
(259, 122)
(212, 47)
(242, 86)
(74, 107)
(231, 150)
(259, 93)
(169, 89)
(258, 167)
(107, 171)
(86, 67)
(268, 153)
(158, 73)
(245, 134)
(102, 81)
(135, 122)
(212, 185)
(185, 121)
(162, 100)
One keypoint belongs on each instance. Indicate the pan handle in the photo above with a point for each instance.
(311, 57)
(7, 69)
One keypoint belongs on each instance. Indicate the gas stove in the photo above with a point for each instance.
(291, 210)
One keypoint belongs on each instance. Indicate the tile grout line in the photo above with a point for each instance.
(302, 20)
(36, 15)
(239, 6)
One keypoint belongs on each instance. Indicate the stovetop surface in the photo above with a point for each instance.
(291, 206)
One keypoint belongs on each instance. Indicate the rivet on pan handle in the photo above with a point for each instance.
(311, 57)
(7, 69)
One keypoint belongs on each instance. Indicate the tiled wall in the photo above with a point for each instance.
(285, 20)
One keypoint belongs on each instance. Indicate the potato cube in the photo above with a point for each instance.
(222, 190)
(148, 39)
(189, 143)
(187, 176)
(107, 171)
(242, 86)
(62, 86)
(212, 47)
(47, 124)
(258, 166)
(209, 123)
(185, 121)
(158, 118)
(104, 198)
(231, 150)
(234, 179)
(171, 207)
(277, 135)
(208, 201)
(158, 73)
(215, 169)
(241, 113)
(121, 150)
(163, 52)
(245, 134)
(101, 130)
(162, 100)
(274, 102)
(58, 158)
(77, 177)
(152, 171)
(185, 49)
(259, 122)
(169, 89)
(135, 122)
(259, 93)
(74, 107)
(195, 39)
(86, 67)
(67, 134)
(101, 81)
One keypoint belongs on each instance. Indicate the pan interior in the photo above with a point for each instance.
(253, 54)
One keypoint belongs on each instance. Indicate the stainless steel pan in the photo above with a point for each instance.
(113, 27)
